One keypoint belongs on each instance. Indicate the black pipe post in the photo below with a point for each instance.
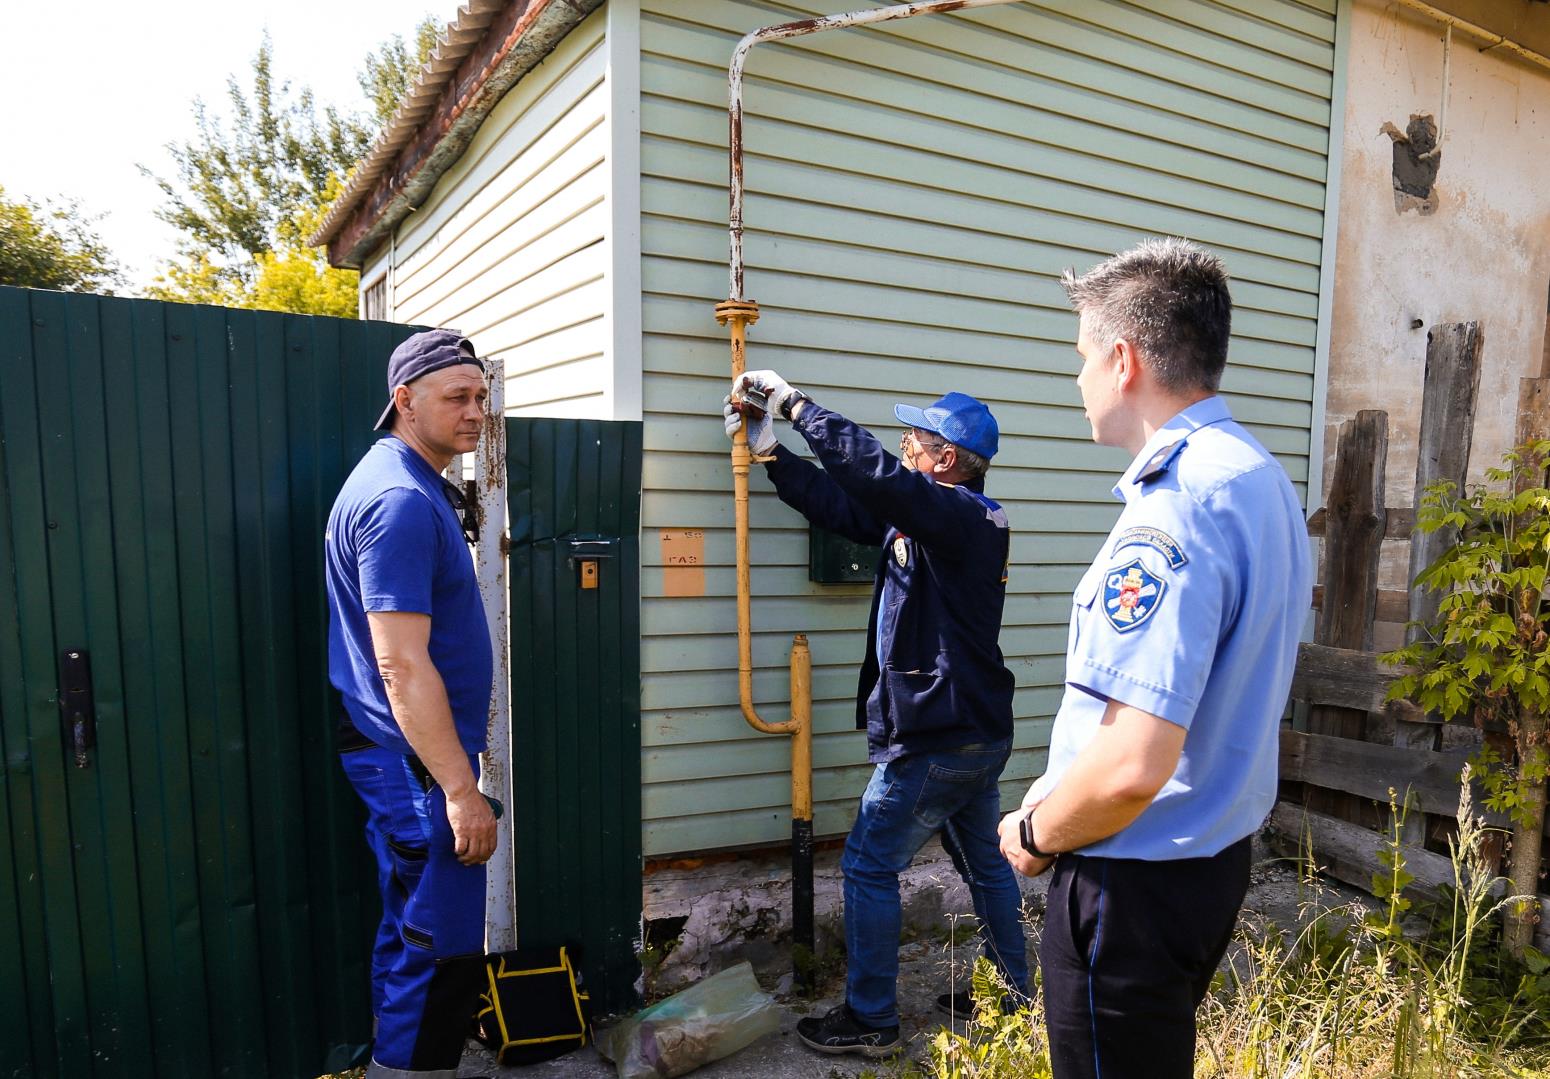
(804, 956)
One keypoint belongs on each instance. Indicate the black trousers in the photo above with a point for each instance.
(1128, 953)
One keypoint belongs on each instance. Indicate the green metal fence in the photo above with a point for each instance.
(574, 497)
(196, 899)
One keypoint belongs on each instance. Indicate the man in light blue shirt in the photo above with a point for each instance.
(1183, 638)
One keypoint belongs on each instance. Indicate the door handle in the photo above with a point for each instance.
(77, 710)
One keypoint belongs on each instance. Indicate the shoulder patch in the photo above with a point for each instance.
(1155, 538)
(1131, 593)
(1161, 461)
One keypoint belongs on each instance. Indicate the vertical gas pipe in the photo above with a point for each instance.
(738, 313)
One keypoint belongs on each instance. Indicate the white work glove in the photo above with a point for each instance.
(761, 432)
(780, 393)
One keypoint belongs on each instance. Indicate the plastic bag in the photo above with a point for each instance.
(705, 1022)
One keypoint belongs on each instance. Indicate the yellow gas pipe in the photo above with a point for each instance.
(738, 315)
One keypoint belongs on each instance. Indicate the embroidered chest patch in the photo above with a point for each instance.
(901, 551)
(1131, 593)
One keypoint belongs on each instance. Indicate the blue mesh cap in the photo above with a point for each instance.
(427, 351)
(960, 419)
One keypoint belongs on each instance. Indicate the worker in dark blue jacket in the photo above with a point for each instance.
(935, 696)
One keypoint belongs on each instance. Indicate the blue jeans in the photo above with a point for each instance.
(908, 799)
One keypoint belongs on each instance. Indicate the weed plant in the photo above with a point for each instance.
(1406, 989)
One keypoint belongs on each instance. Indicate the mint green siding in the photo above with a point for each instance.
(913, 193)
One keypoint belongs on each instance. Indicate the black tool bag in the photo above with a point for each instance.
(533, 1007)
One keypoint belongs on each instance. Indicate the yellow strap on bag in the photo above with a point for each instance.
(534, 1007)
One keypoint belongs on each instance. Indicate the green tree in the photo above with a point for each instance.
(53, 246)
(387, 74)
(1485, 655)
(250, 186)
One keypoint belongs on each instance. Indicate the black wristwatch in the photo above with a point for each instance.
(1025, 833)
(789, 405)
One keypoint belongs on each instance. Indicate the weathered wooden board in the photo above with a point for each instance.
(1349, 852)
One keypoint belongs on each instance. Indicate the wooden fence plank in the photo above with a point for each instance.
(1369, 770)
(1352, 542)
(1347, 678)
(1391, 604)
(1398, 522)
(1349, 852)
(1448, 396)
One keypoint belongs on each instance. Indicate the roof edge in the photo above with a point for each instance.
(484, 53)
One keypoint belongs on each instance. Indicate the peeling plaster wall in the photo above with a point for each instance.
(1478, 248)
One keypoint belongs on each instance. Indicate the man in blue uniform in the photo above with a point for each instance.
(935, 697)
(1183, 637)
(409, 650)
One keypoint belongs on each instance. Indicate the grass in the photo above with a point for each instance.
(1411, 990)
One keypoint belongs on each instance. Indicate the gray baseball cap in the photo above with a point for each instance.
(419, 355)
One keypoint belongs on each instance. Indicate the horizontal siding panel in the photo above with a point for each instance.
(831, 750)
(1031, 47)
(892, 261)
(996, 242)
(1039, 554)
(754, 827)
(554, 384)
(686, 824)
(563, 294)
(814, 332)
(499, 159)
(1230, 132)
(666, 733)
(913, 195)
(533, 272)
(963, 156)
(1232, 43)
(771, 687)
(1013, 135)
(978, 211)
(944, 308)
(563, 204)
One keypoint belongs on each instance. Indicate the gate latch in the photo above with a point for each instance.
(77, 710)
(587, 554)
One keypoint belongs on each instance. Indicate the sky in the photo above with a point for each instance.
(89, 89)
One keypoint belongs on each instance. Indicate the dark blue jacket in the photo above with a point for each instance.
(943, 567)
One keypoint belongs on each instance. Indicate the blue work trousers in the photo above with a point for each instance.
(952, 791)
(427, 964)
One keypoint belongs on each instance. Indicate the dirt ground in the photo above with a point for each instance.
(928, 965)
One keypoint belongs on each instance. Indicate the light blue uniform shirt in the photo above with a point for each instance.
(1192, 611)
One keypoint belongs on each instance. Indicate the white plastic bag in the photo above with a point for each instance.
(705, 1022)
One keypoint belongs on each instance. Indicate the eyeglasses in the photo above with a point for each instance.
(910, 435)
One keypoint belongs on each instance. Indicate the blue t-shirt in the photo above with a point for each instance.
(1192, 611)
(394, 544)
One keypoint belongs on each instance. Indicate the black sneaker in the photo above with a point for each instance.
(960, 1005)
(841, 1032)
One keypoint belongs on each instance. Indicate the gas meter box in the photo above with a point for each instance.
(833, 559)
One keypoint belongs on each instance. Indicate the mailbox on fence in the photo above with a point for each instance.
(587, 554)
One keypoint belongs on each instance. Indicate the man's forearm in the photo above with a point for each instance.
(418, 698)
(1111, 782)
(1084, 808)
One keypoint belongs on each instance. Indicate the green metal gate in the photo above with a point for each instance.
(574, 497)
(183, 886)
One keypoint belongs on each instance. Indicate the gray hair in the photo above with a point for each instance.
(1168, 298)
(970, 463)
